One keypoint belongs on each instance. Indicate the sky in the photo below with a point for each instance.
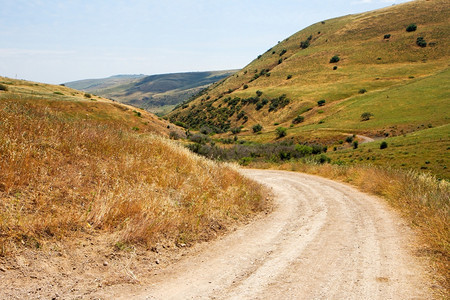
(54, 41)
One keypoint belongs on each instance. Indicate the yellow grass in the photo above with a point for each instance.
(66, 176)
(421, 198)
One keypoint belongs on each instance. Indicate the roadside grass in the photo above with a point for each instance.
(421, 198)
(67, 175)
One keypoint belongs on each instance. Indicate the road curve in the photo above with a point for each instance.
(324, 240)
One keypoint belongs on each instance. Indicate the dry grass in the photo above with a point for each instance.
(421, 198)
(64, 177)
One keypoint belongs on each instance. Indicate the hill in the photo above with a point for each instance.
(391, 64)
(156, 93)
(74, 166)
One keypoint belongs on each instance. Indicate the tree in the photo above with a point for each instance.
(411, 27)
(257, 128)
(366, 116)
(335, 59)
(321, 102)
(298, 119)
(281, 132)
(383, 145)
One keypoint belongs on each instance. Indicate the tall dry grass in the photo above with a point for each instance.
(61, 177)
(421, 198)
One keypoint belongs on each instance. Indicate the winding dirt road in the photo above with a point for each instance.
(324, 240)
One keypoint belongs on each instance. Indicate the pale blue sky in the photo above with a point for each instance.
(59, 41)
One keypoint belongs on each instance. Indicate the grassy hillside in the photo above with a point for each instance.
(156, 93)
(73, 167)
(383, 70)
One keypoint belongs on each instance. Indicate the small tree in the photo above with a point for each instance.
(88, 95)
(235, 130)
(355, 144)
(411, 27)
(257, 128)
(259, 93)
(289, 76)
(366, 116)
(245, 86)
(281, 132)
(387, 36)
(421, 42)
(321, 102)
(383, 145)
(362, 91)
(349, 139)
(298, 119)
(335, 59)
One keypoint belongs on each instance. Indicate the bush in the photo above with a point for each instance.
(280, 61)
(259, 93)
(173, 135)
(321, 102)
(283, 52)
(355, 144)
(199, 138)
(349, 139)
(235, 130)
(362, 91)
(88, 95)
(383, 145)
(206, 130)
(421, 42)
(289, 76)
(281, 132)
(245, 86)
(411, 27)
(335, 68)
(335, 59)
(387, 36)
(257, 128)
(298, 119)
(366, 116)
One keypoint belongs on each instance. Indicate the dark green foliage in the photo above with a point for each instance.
(240, 115)
(257, 128)
(259, 56)
(335, 59)
(281, 132)
(421, 42)
(259, 93)
(235, 130)
(335, 68)
(3, 87)
(366, 116)
(362, 91)
(199, 138)
(349, 139)
(289, 76)
(58, 93)
(137, 113)
(355, 144)
(305, 44)
(280, 61)
(278, 103)
(181, 124)
(261, 104)
(283, 52)
(321, 102)
(88, 95)
(206, 130)
(383, 145)
(245, 86)
(387, 36)
(411, 27)
(298, 119)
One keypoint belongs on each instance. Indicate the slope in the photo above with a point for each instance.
(376, 57)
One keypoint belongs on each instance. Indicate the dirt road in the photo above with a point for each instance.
(324, 240)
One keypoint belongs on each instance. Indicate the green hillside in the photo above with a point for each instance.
(390, 63)
(155, 93)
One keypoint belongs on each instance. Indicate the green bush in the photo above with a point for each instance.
(88, 95)
(58, 93)
(383, 145)
(335, 68)
(387, 36)
(411, 27)
(280, 61)
(173, 135)
(281, 132)
(235, 130)
(355, 144)
(366, 116)
(421, 42)
(259, 93)
(289, 76)
(298, 119)
(3, 87)
(257, 128)
(349, 139)
(321, 102)
(283, 52)
(245, 86)
(335, 59)
(362, 91)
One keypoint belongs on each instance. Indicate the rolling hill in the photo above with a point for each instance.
(156, 93)
(381, 74)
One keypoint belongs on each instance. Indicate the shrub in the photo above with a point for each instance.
(206, 130)
(387, 36)
(362, 91)
(235, 130)
(335, 68)
(366, 116)
(257, 128)
(355, 144)
(335, 59)
(383, 145)
(289, 76)
(411, 27)
(281, 132)
(321, 102)
(3, 87)
(259, 93)
(304, 44)
(298, 119)
(421, 42)
(283, 52)
(173, 135)
(245, 86)
(280, 61)
(88, 95)
(349, 139)
(259, 56)
(199, 138)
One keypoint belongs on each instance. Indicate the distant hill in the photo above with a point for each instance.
(382, 74)
(156, 93)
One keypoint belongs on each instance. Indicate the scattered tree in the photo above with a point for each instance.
(362, 91)
(355, 144)
(321, 102)
(298, 119)
(257, 128)
(387, 36)
(421, 42)
(383, 145)
(366, 116)
(411, 27)
(289, 76)
(335, 59)
(281, 132)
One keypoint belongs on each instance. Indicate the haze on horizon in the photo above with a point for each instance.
(59, 41)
